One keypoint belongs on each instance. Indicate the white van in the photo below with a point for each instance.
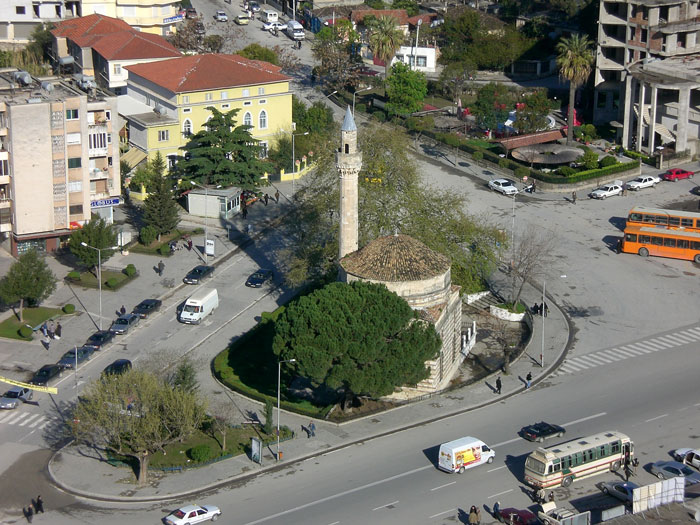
(464, 453)
(200, 304)
(270, 16)
(295, 30)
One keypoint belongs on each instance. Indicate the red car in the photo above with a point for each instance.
(517, 517)
(677, 174)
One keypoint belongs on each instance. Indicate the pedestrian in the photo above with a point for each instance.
(528, 379)
(161, 267)
(478, 516)
(534, 187)
(628, 472)
(551, 496)
(57, 333)
(189, 244)
(497, 510)
(573, 196)
(540, 496)
(277, 196)
(299, 44)
(312, 429)
(29, 513)
(122, 310)
(244, 213)
(545, 309)
(499, 384)
(473, 518)
(535, 308)
(44, 329)
(51, 328)
(39, 504)
(266, 198)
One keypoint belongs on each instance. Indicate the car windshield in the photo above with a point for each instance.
(121, 321)
(191, 308)
(12, 394)
(42, 373)
(258, 275)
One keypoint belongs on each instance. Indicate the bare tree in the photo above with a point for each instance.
(531, 253)
(223, 415)
(506, 336)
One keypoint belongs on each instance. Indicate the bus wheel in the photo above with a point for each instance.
(461, 470)
(615, 466)
(567, 481)
(644, 252)
(697, 258)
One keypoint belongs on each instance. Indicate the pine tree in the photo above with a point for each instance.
(160, 210)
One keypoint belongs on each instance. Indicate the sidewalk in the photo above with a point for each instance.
(78, 471)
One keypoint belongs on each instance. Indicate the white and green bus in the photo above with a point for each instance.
(579, 458)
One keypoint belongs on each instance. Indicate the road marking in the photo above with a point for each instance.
(387, 505)
(575, 421)
(443, 486)
(441, 513)
(36, 422)
(31, 418)
(499, 494)
(497, 468)
(334, 523)
(5, 416)
(655, 418)
(505, 442)
(14, 420)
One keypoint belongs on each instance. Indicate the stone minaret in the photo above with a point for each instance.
(349, 162)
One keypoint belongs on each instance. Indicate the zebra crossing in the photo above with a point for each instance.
(20, 418)
(628, 351)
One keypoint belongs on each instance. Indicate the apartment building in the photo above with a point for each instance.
(19, 18)
(158, 17)
(632, 35)
(59, 159)
(167, 101)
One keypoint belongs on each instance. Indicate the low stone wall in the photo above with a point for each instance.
(501, 313)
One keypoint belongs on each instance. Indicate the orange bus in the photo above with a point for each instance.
(662, 242)
(672, 219)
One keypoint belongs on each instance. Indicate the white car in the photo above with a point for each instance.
(271, 26)
(643, 181)
(221, 16)
(688, 456)
(193, 514)
(505, 186)
(606, 191)
(14, 397)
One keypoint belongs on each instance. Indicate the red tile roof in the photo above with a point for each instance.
(89, 26)
(532, 138)
(210, 71)
(426, 19)
(399, 14)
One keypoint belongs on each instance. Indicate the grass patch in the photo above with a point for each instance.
(33, 317)
(155, 247)
(115, 278)
(520, 308)
(436, 101)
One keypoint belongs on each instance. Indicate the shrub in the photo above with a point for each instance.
(590, 131)
(503, 163)
(566, 171)
(26, 332)
(521, 172)
(147, 235)
(451, 140)
(608, 161)
(112, 282)
(477, 156)
(130, 270)
(362, 108)
(74, 275)
(199, 453)
(380, 116)
(164, 250)
(68, 308)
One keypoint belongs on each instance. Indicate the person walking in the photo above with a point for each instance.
(122, 310)
(497, 510)
(573, 196)
(51, 328)
(545, 309)
(528, 378)
(312, 429)
(161, 267)
(29, 513)
(473, 518)
(277, 196)
(57, 333)
(499, 384)
(534, 186)
(44, 329)
(266, 198)
(244, 213)
(540, 496)
(189, 244)
(39, 504)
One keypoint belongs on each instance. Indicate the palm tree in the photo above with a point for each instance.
(385, 38)
(575, 59)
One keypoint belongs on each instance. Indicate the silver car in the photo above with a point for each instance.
(123, 323)
(674, 469)
(621, 490)
(689, 456)
(14, 396)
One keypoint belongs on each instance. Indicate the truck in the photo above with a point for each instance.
(200, 304)
(464, 453)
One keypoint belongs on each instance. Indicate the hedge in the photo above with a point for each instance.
(199, 453)
(130, 270)
(74, 275)
(112, 282)
(68, 308)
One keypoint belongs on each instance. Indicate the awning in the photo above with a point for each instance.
(133, 157)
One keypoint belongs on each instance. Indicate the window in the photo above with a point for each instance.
(208, 97)
(669, 243)
(187, 110)
(71, 114)
(185, 99)
(615, 447)
(187, 128)
(263, 101)
(248, 103)
(73, 138)
(631, 237)
(75, 162)
(117, 69)
(97, 140)
(247, 120)
(4, 167)
(75, 186)
(75, 210)
(164, 135)
(261, 91)
(225, 106)
(657, 241)
(263, 120)
(108, 116)
(682, 243)
(20, 10)
(246, 92)
(224, 95)
(263, 149)
(422, 61)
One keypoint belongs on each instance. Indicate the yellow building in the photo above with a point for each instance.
(150, 16)
(167, 101)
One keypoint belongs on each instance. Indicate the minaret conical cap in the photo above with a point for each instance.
(348, 121)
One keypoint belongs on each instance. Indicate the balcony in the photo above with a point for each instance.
(5, 219)
(98, 174)
(611, 41)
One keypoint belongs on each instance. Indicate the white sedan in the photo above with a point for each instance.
(643, 181)
(688, 456)
(221, 16)
(504, 186)
(193, 514)
(606, 191)
(271, 26)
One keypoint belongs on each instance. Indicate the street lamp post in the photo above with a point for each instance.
(415, 52)
(512, 238)
(206, 218)
(99, 271)
(279, 377)
(353, 98)
(294, 164)
(544, 284)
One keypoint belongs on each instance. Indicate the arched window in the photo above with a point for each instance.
(187, 128)
(248, 119)
(263, 119)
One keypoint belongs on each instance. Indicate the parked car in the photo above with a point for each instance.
(517, 517)
(677, 174)
(199, 28)
(643, 181)
(118, 367)
(191, 12)
(84, 353)
(689, 456)
(607, 190)
(621, 490)
(123, 323)
(14, 396)
(198, 274)
(254, 6)
(221, 16)
(674, 469)
(45, 374)
(259, 278)
(242, 20)
(192, 514)
(100, 339)
(541, 431)
(147, 307)
(504, 186)
(271, 26)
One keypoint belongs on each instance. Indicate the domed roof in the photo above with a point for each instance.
(395, 258)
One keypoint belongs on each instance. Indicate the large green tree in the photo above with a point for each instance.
(392, 198)
(29, 279)
(493, 104)
(160, 209)
(359, 337)
(455, 77)
(385, 37)
(255, 51)
(96, 234)
(575, 60)
(405, 90)
(335, 49)
(225, 153)
(532, 116)
(135, 414)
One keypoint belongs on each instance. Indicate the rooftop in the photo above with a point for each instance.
(19, 87)
(678, 71)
